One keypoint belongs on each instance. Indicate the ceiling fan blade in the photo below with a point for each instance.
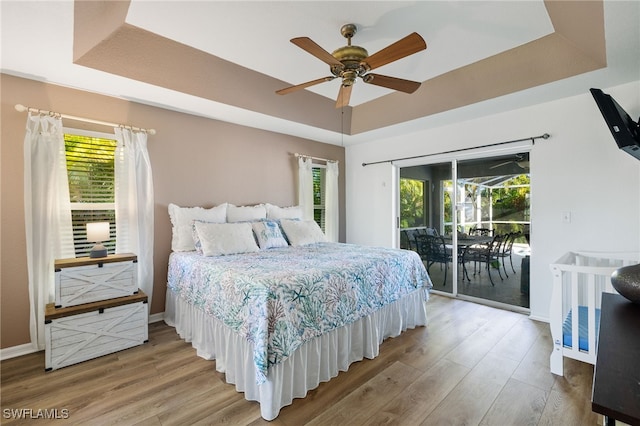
(287, 90)
(404, 47)
(344, 95)
(406, 86)
(501, 164)
(312, 47)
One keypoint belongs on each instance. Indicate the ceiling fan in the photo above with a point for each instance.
(521, 160)
(349, 62)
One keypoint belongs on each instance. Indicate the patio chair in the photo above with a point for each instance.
(431, 231)
(432, 249)
(480, 231)
(507, 251)
(407, 238)
(486, 254)
(405, 241)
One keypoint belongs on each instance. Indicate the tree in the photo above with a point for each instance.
(412, 207)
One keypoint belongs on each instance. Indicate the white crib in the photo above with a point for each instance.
(579, 279)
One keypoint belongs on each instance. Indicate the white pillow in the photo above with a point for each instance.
(268, 234)
(275, 212)
(182, 220)
(220, 239)
(246, 213)
(302, 232)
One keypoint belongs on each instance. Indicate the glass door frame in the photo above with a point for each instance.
(453, 158)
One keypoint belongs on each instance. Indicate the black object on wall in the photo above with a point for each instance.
(625, 131)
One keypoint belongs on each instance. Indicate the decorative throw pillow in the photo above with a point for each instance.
(268, 234)
(275, 212)
(218, 239)
(196, 237)
(246, 213)
(182, 222)
(302, 232)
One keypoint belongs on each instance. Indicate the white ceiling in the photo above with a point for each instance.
(256, 35)
(37, 40)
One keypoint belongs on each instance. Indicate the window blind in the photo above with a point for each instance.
(319, 196)
(91, 174)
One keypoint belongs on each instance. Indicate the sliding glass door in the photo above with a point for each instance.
(493, 228)
(476, 214)
(426, 219)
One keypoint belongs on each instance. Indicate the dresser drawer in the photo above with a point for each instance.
(72, 337)
(85, 280)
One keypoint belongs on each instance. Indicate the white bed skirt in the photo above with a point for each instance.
(316, 361)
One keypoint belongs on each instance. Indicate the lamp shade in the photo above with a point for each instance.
(97, 231)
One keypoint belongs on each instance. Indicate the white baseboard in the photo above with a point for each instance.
(539, 318)
(156, 317)
(15, 351)
(28, 348)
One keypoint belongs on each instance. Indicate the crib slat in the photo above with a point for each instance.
(575, 316)
(591, 319)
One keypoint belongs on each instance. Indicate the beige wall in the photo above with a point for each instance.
(195, 161)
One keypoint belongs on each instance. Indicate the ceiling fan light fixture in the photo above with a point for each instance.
(349, 78)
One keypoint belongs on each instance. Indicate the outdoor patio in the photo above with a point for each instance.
(511, 290)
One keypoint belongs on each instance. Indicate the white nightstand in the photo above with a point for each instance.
(78, 333)
(84, 279)
(98, 309)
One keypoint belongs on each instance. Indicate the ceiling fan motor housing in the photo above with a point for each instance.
(350, 57)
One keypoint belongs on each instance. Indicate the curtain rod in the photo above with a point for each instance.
(22, 108)
(315, 158)
(532, 139)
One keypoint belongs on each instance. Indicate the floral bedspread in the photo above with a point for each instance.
(280, 298)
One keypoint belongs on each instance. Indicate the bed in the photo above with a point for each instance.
(311, 309)
(579, 279)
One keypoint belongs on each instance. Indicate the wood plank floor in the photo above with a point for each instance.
(472, 365)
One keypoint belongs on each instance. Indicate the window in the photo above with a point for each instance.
(319, 172)
(90, 168)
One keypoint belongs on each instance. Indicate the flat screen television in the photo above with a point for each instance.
(625, 131)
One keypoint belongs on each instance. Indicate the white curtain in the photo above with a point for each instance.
(331, 218)
(134, 203)
(47, 212)
(305, 187)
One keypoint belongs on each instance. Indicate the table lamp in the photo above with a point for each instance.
(97, 232)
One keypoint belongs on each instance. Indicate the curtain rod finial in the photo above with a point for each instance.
(20, 108)
(151, 131)
(546, 136)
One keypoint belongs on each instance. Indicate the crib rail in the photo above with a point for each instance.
(579, 279)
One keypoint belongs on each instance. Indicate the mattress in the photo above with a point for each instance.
(583, 328)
